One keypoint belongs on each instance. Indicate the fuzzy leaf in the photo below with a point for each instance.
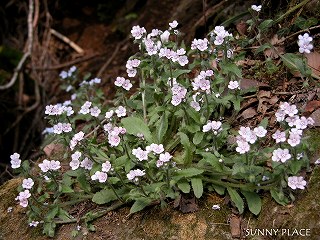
(197, 138)
(163, 127)
(135, 125)
(184, 187)
(140, 204)
(253, 201)
(197, 187)
(104, 196)
(236, 199)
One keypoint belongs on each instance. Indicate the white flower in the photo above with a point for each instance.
(127, 85)
(302, 123)
(15, 160)
(157, 149)
(140, 154)
(95, 111)
(54, 165)
(121, 111)
(27, 183)
(86, 163)
(132, 72)
(165, 36)
(200, 44)
(165, 157)
(74, 164)
(33, 223)
(304, 43)
(195, 105)
(296, 182)
(100, 176)
(281, 155)
(109, 114)
(279, 136)
(256, 8)
(106, 166)
(173, 24)
(291, 110)
(294, 139)
(119, 81)
(133, 174)
(45, 165)
(243, 147)
(216, 207)
(137, 32)
(85, 108)
(9, 209)
(113, 139)
(233, 85)
(280, 115)
(260, 131)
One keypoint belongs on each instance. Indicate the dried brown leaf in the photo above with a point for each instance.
(235, 223)
(312, 106)
(248, 113)
(313, 60)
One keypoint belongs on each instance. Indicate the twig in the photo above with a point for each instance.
(103, 68)
(27, 53)
(296, 33)
(69, 63)
(67, 40)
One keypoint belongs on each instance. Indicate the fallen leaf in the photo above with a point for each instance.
(242, 27)
(276, 50)
(248, 113)
(313, 60)
(235, 226)
(316, 117)
(264, 94)
(188, 204)
(248, 83)
(312, 106)
(52, 148)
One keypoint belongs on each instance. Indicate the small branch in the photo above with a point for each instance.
(67, 40)
(114, 54)
(27, 53)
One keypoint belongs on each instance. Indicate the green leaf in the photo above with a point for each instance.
(253, 201)
(184, 187)
(140, 204)
(262, 48)
(49, 228)
(188, 149)
(236, 199)
(83, 182)
(279, 197)
(231, 67)
(52, 213)
(187, 172)
(265, 25)
(197, 138)
(197, 187)
(135, 125)
(104, 196)
(66, 184)
(296, 63)
(176, 73)
(219, 189)
(163, 127)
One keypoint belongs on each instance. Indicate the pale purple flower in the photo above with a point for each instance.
(200, 44)
(292, 120)
(260, 131)
(106, 166)
(137, 32)
(280, 115)
(165, 36)
(233, 85)
(165, 157)
(127, 85)
(119, 81)
(216, 207)
(95, 111)
(302, 123)
(304, 43)
(86, 164)
(74, 164)
(113, 139)
(15, 160)
(242, 147)
(121, 111)
(134, 174)
(279, 136)
(281, 155)
(294, 139)
(195, 105)
(109, 114)
(132, 72)
(173, 24)
(33, 223)
(45, 165)
(155, 148)
(100, 176)
(85, 108)
(291, 110)
(256, 8)
(54, 165)
(296, 182)
(176, 100)
(27, 183)
(140, 154)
